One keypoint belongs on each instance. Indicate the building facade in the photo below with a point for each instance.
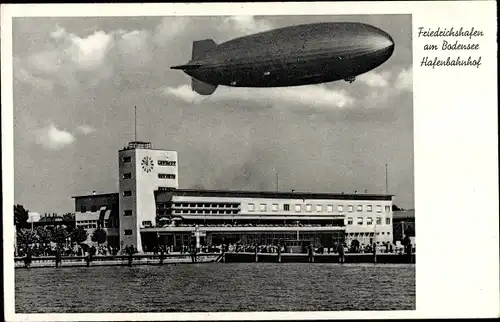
(142, 170)
(150, 209)
(267, 217)
(98, 211)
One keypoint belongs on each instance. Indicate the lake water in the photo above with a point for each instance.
(216, 287)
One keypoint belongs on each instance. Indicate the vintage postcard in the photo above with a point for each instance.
(250, 161)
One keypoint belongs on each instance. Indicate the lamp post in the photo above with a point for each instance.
(297, 222)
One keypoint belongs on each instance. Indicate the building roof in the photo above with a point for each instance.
(96, 195)
(79, 216)
(165, 195)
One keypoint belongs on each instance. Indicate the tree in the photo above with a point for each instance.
(20, 216)
(26, 237)
(79, 235)
(69, 220)
(355, 246)
(99, 235)
(396, 208)
(59, 235)
(44, 235)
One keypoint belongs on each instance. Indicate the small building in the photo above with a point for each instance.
(98, 211)
(404, 224)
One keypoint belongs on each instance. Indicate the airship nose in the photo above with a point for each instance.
(383, 43)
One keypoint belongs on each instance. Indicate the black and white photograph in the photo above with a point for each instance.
(214, 163)
(270, 158)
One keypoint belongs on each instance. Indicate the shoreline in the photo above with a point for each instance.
(205, 258)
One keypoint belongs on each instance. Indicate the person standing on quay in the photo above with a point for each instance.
(341, 253)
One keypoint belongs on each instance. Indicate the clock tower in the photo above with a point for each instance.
(142, 170)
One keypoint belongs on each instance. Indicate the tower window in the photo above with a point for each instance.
(369, 208)
(298, 208)
(166, 176)
(360, 208)
(308, 208)
(167, 163)
(127, 213)
(127, 193)
(329, 208)
(127, 175)
(275, 207)
(127, 232)
(127, 159)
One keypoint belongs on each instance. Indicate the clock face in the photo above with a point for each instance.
(147, 164)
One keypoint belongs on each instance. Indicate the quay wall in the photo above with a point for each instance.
(318, 258)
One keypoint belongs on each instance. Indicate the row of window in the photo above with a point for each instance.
(184, 211)
(205, 205)
(318, 208)
(128, 175)
(128, 159)
(369, 234)
(369, 221)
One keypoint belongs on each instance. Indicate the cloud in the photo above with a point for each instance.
(52, 138)
(374, 79)
(404, 80)
(315, 96)
(168, 29)
(85, 129)
(21, 74)
(246, 24)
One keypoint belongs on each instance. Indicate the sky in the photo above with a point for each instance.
(77, 80)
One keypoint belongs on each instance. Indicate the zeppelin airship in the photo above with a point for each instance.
(291, 56)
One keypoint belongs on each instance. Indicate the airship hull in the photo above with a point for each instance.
(291, 56)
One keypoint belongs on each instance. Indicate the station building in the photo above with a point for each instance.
(150, 209)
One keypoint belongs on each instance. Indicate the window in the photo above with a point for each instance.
(369, 208)
(308, 208)
(251, 207)
(379, 221)
(147, 223)
(388, 221)
(275, 207)
(329, 208)
(369, 220)
(359, 220)
(340, 208)
(127, 232)
(387, 208)
(349, 208)
(127, 175)
(286, 207)
(93, 208)
(166, 176)
(298, 208)
(319, 208)
(167, 163)
(127, 159)
(379, 208)
(127, 213)
(262, 207)
(360, 208)
(127, 193)
(83, 209)
(349, 220)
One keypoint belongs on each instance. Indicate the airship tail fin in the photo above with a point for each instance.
(202, 47)
(202, 88)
